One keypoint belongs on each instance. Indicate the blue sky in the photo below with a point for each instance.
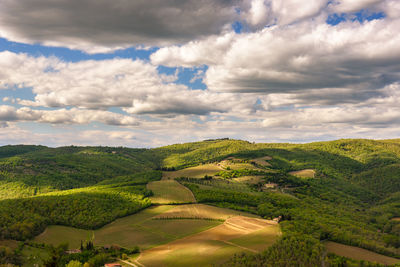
(260, 70)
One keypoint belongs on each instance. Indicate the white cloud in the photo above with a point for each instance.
(64, 116)
(299, 79)
(134, 85)
(357, 57)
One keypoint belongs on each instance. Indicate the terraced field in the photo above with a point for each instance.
(170, 192)
(214, 245)
(359, 253)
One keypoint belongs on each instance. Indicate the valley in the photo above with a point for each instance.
(222, 202)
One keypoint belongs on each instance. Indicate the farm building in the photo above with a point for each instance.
(112, 265)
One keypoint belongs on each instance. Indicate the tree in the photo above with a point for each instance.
(74, 264)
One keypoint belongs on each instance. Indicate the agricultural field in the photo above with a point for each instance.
(151, 227)
(193, 172)
(263, 161)
(359, 253)
(57, 234)
(9, 243)
(249, 179)
(170, 192)
(307, 173)
(237, 165)
(176, 235)
(396, 219)
(201, 211)
(213, 246)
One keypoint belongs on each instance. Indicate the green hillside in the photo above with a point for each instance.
(351, 199)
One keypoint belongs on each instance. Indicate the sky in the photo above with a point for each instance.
(148, 73)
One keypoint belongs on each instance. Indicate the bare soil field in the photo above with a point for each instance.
(359, 253)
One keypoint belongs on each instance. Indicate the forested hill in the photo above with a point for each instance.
(351, 199)
(372, 164)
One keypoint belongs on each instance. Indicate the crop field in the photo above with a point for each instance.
(209, 247)
(233, 165)
(57, 234)
(225, 184)
(397, 219)
(201, 211)
(193, 172)
(148, 228)
(308, 173)
(249, 179)
(169, 192)
(9, 243)
(263, 161)
(359, 253)
(260, 239)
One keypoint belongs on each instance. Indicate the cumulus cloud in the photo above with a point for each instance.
(103, 26)
(131, 84)
(289, 76)
(281, 12)
(352, 57)
(64, 116)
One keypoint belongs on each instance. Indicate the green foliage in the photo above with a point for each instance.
(74, 263)
(291, 250)
(351, 200)
(87, 208)
(73, 167)
(238, 173)
(383, 180)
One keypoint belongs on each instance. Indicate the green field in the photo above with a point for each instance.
(170, 192)
(359, 253)
(57, 234)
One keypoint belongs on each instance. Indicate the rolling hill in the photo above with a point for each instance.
(344, 191)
